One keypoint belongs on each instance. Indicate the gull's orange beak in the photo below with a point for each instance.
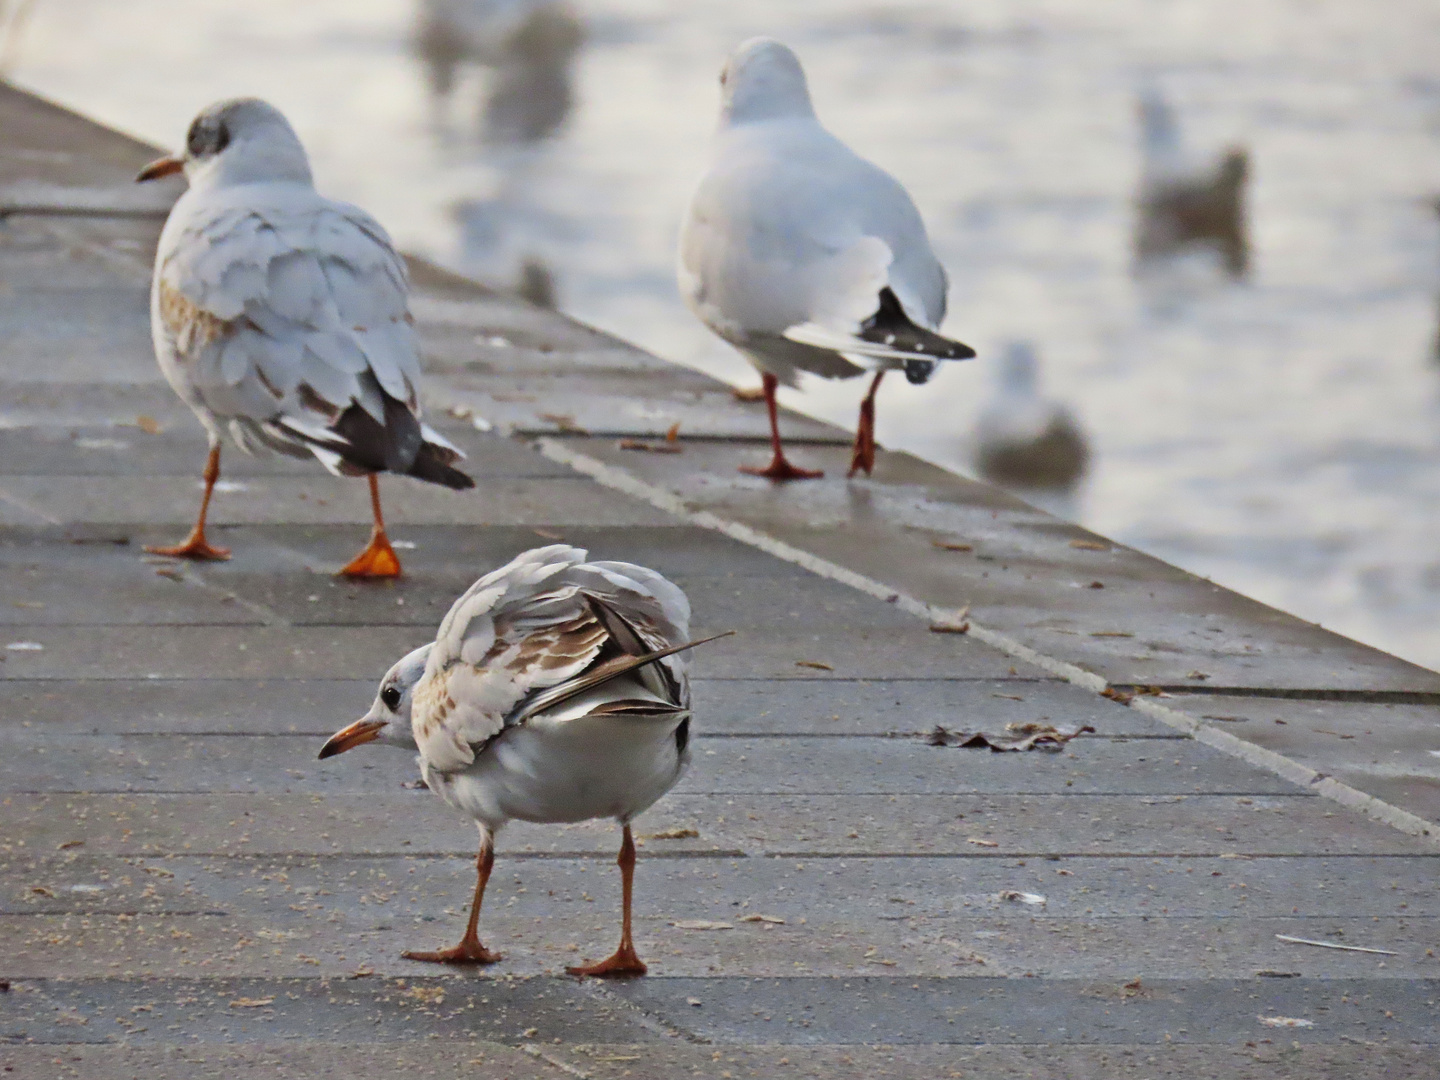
(165, 166)
(361, 731)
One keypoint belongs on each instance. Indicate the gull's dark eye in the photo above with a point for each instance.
(207, 136)
(391, 697)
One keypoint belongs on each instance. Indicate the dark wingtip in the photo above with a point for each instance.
(431, 467)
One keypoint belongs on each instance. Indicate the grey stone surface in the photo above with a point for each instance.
(182, 883)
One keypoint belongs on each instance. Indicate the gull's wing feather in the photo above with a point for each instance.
(281, 310)
(537, 632)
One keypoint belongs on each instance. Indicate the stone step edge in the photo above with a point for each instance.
(1328, 787)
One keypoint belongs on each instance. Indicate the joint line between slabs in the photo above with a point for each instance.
(1323, 784)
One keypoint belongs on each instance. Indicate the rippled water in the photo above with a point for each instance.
(1281, 434)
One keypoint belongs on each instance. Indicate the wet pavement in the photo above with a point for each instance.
(185, 891)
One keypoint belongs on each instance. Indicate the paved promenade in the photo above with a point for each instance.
(185, 891)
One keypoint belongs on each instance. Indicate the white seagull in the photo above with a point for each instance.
(283, 316)
(804, 256)
(554, 691)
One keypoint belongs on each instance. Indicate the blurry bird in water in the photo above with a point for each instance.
(282, 316)
(1022, 438)
(1182, 203)
(528, 44)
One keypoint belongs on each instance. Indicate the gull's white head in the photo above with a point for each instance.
(388, 720)
(763, 80)
(240, 141)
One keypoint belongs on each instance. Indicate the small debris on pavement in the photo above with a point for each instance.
(771, 919)
(1028, 735)
(946, 545)
(952, 624)
(565, 422)
(816, 664)
(1015, 896)
(1333, 945)
(651, 448)
(1089, 545)
(981, 843)
(700, 924)
(251, 1003)
(685, 833)
(1285, 1022)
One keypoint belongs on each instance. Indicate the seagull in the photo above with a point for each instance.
(555, 691)
(1183, 201)
(804, 256)
(282, 316)
(1024, 438)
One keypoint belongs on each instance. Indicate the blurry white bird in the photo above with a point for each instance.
(1023, 438)
(1183, 201)
(282, 315)
(554, 691)
(804, 256)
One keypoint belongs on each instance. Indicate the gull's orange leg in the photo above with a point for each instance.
(194, 545)
(469, 951)
(779, 468)
(378, 560)
(624, 962)
(863, 456)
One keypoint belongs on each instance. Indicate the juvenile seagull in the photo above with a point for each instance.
(804, 256)
(555, 690)
(282, 315)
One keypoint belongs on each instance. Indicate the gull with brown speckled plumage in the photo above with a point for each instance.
(556, 690)
(283, 316)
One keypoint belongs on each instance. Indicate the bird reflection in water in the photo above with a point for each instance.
(1185, 204)
(528, 47)
(1022, 438)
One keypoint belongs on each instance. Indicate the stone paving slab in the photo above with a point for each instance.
(170, 762)
(904, 891)
(794, 826)
(295, 946)
(171, 502)
(1265, 1059)
(1391, 751)
(861, 1010)
(750, 707)
(1024, 577)
(331, 652)
(178, 450)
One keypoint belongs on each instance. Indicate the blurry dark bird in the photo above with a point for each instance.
(1182, 204)
(528, 44)
(1024, 439)
(531, 96)
(536, 284)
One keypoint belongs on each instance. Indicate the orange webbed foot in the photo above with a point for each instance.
(377, 561)
(781, 470)
(194, 547)
(624, 964)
